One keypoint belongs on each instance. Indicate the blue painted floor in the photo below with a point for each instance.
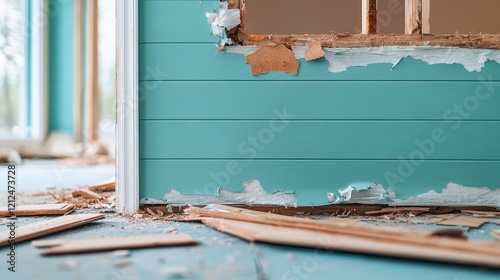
(217, 256)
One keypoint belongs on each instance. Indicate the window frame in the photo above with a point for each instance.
(35, 83)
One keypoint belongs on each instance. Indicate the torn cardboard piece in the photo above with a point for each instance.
(253, 194)
(48, 227)
(253, 231)
(314, 51)
(39, 210)
(276, 58)
(469, 222)
(116, 243)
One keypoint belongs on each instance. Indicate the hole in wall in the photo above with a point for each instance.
(465, 16)
(302, 16)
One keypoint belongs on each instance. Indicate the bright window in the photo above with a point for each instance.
(21, 52)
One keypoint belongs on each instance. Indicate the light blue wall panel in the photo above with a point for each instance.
(61, 47)
(310, 180)
(170, 62)
(327, 100)
(197, 106)
(285, 139)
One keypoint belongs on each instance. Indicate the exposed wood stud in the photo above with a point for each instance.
(78, 72)
(369, 17)
(413, 16)
(92, 73)
(426, 16)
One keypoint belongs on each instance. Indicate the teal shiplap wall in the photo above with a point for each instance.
(61, 64)
(206, 122)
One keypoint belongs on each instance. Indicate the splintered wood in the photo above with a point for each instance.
(469, 222)
(276, 58)
(39, 210)
(439, 245)
(109, 244)
(47, 227)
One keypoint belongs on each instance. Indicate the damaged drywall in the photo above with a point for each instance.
(374, 194)
(277, 58)
(342, 58)
(222, 20)
(452, 195)
(314, 51)
(253, 194)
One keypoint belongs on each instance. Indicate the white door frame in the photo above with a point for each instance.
(127, 111)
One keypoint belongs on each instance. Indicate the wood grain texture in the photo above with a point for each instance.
(320, 240)
(117, 243)
(39, 210)
(413, 16)
(48, 227)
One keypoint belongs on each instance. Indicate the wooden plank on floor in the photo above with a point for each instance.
(420, 237)
(320, 240)
(47, 227)
(39, 210)
(108, 244)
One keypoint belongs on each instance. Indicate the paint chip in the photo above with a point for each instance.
(273, 59)
(314, 51)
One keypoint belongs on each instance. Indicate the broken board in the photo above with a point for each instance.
(39, 210)
(254, 232)
(469, 222)
(437, 238)
(47, 227)
(108, 244)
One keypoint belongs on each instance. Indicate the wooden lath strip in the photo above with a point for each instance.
(39, 210)
(47, 227)
(413, 16)
(426, 16)
(116, 243)
(369, 17)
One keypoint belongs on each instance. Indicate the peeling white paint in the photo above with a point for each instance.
(253, 193)
(222, 20)
(455, 195)
(342, 58)
(374, 194)
(452, 195)
(245, 50)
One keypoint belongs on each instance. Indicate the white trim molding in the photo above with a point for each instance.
(127, 113)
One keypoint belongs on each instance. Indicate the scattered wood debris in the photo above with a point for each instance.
(412, 210)
(488, 214)
(441, 245)
(47, 227)
(253, 232)
(39, 210)
(469, 222)
(87, 194)
(115, 243)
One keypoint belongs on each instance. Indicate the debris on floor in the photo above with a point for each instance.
(444, 245)
(39, 210)
(118, 243)
(47, 227)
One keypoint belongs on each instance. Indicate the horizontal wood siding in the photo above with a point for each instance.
(205, 121)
